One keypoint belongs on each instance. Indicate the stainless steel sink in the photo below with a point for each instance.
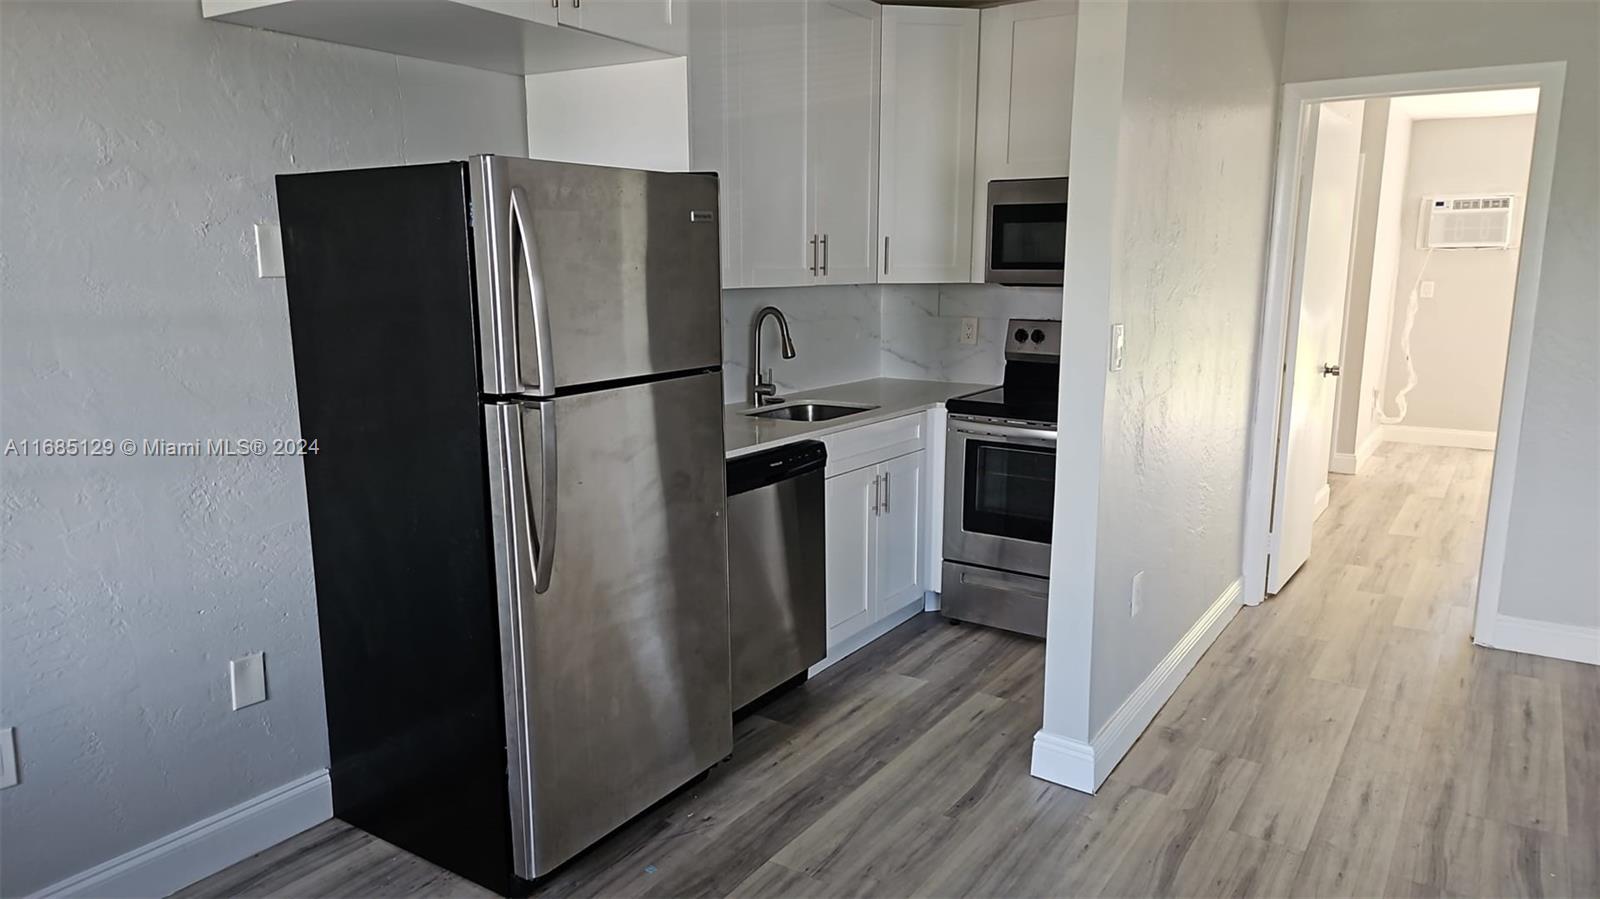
(809, 411)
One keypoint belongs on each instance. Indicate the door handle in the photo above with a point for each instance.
(886, 254)
(1330, 370)
(886, 493)
(536, 298)
(813, 255)
(824, 255)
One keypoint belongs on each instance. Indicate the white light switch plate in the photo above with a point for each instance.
(269, 251)
(1136, 596)
(1426, 291)
(969, 330)
(1116, 346)
(8, 757)
(247, 676)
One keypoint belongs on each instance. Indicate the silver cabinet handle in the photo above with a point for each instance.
(886, 254)
(536, 298)
(886, 493)
(877, 494)
(813, 255)
(1330, 370)
(824, 254)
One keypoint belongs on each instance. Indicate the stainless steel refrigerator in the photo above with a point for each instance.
(511, 368)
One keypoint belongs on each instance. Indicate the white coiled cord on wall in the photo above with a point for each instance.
(1405, 350)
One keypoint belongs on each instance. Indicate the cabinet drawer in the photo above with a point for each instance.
(874, 443)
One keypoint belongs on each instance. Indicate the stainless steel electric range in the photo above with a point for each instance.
(1000, 472)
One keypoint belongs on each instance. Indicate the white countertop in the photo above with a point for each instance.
(893, 398)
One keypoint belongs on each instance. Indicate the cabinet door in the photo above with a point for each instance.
(658, 24)
(767, 84)
(899, 538)
(850, 518)
(711, 135)
(929, 119)
(1025, 62)
(842, 134)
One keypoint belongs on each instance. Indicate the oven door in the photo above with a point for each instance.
(1000, 495)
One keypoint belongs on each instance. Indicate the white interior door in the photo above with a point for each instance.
(1316, 326)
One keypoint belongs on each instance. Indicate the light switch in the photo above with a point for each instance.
(247, 676)
(8, 757)
(269, 251)
(1116, 346)
(1426, 291)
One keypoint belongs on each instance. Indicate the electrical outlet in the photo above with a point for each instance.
(269, 251)
(247, 677)
(969, 330)
(8, 757)
(1117, 335)
(1426, 291)
(1136, 596)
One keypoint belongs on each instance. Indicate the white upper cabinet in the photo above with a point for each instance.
(1024, 99)
(842, 137)
(657, 24)
(783, 98)
(770, 202)
(517, 37)
(926, 145)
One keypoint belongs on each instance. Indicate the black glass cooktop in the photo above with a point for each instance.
(1029, 394)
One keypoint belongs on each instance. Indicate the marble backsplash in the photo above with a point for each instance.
(853, 332)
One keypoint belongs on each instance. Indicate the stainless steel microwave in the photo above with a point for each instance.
(1027, 231)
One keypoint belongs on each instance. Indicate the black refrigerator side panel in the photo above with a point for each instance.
(381, 311)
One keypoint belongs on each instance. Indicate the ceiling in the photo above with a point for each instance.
(1473, 105)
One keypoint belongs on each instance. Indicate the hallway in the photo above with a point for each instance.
(1342, 739)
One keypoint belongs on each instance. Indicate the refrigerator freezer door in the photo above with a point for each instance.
(589, 274)
(613, 604)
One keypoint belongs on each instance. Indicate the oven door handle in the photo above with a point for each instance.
(1011, 435)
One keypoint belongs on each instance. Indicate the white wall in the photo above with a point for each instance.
(634, 115)
(1459, 342)
(1173, 141)
(1554, 525)
(1388, 241)
(139, 145)
(1374, 133)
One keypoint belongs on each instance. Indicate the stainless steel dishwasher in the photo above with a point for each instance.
(776, 578)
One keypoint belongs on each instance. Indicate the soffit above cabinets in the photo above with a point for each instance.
(516, 37)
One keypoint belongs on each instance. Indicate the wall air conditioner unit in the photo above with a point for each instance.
(1481, 221)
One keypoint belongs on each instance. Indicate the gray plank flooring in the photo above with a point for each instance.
(1342, 739)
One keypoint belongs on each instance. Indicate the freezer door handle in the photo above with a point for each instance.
(538, 308)
(542, 534)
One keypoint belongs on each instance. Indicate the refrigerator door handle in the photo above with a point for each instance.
(542, 536)
(536, 297)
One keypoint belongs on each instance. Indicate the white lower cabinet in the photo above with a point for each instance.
(876, 527)
(851, 578)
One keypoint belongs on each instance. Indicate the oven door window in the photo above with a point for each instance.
(1009, 491)
(1028, 237)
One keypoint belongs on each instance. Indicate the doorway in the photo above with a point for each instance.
(1377, 335)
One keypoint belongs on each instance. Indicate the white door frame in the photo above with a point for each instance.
(1298, 99)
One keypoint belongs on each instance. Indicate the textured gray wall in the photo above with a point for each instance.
(1554, 534)
(137, 147)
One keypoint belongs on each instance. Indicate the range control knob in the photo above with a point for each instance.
(1038, 336)
(1021, 336)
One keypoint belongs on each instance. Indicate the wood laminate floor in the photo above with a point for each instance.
(1342, 739)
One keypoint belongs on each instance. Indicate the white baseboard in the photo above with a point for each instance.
(1085, 766)
(1319, 503)
(1572, 642)
(1439, 436)
(207, 846)
(845, 647)
(1352, 463)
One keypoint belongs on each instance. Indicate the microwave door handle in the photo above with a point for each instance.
(540, 536)
(538, 304)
